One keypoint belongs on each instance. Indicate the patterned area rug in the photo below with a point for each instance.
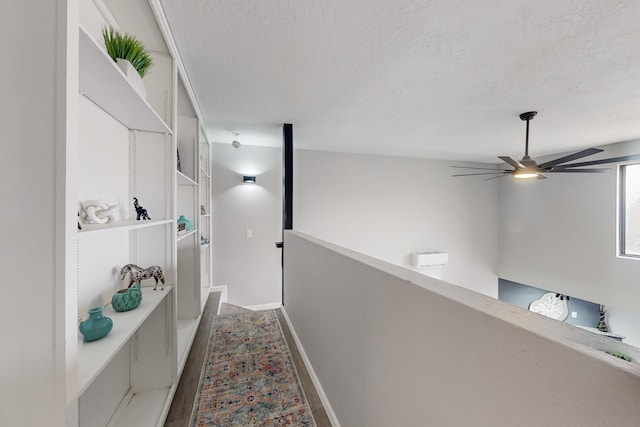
(249, 378)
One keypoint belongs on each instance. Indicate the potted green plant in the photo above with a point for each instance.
(130, 54)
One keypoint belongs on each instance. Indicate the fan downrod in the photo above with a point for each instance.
(529, 115)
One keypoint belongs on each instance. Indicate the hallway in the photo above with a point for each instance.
(183, 401)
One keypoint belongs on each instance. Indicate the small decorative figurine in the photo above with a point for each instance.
(602, 324)
(203, 211)
(138, 274)
(98, 212)
(188, 225)
(140, 211)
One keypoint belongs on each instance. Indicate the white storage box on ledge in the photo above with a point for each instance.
(429, 259)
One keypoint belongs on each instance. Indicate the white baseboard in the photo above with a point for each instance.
(222, 290)
(271, 306)
(314, 378)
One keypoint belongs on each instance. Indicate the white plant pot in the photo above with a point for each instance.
(133, 76)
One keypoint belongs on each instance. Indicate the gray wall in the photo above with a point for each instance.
(388, 207)
(394, 348)
(249, 267)
(38, 109)
(588, 313)
(561, 233)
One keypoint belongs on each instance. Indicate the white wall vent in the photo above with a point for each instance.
(429, 259)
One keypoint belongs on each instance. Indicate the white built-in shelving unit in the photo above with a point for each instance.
(188, 253)
(206, 255)
(117, 98)
(128, 147)
(94, 356)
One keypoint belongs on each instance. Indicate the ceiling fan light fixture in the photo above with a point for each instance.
(528, 168)
(525, 173)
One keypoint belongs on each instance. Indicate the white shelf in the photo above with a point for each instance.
(131, 224)
(204, 215)
(141, 409)
(186, 234)
(185, 180)
(599, 332)
(186, 333)
(94, 356)
(205, 246)
(103, 83)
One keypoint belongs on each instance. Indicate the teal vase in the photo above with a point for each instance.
(96, 326)
(127, 299)
(188, 225)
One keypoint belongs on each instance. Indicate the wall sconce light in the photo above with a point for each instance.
(249, 179)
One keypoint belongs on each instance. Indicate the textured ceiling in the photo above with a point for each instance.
(429, 78)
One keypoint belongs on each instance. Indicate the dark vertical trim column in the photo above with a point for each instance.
(287, 190)
(622, 240)
(287, 199)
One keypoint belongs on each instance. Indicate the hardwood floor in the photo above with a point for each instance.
(319, 414)
(182, 405)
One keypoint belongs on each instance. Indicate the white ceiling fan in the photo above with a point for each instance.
(529, 168)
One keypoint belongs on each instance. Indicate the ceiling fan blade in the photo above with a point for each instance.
(592, 170)
(516, 164)
(469, 167)
(603, 161)
(483, 173)
(571, 157)
(499, 176)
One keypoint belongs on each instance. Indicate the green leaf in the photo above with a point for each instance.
(127, 47)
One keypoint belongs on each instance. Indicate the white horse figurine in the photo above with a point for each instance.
(137, 274)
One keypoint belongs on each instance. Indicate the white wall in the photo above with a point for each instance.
(33, 247)
(394, 348)
(249, 267)
(560, 234)
(389, 207)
